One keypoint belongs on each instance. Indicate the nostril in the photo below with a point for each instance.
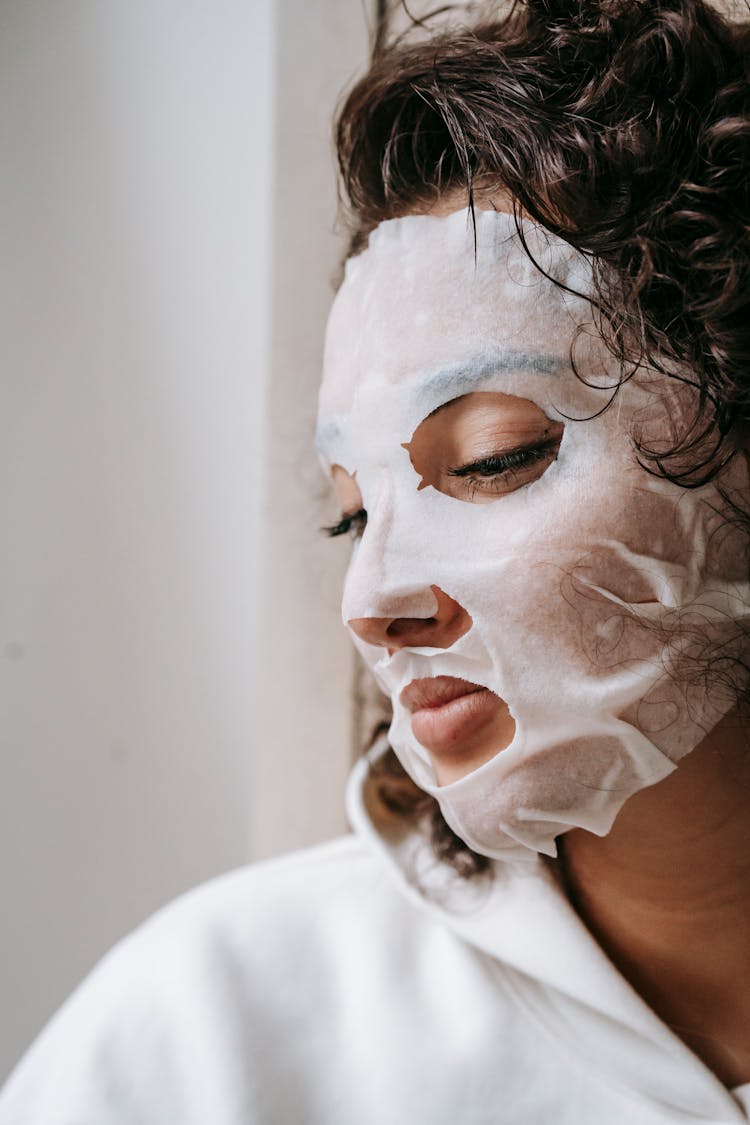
(441, 629)
(403, 627)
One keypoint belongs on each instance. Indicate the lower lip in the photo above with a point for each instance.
(444, 728)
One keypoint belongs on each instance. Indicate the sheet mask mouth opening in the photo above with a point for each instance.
(461, 724)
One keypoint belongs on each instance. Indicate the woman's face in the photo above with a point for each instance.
(476, 448)
(516, 569)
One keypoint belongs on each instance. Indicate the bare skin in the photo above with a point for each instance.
(667, 895)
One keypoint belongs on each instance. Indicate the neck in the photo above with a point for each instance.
(667, 895)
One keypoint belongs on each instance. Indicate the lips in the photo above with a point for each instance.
(451, 716)
(435, 691)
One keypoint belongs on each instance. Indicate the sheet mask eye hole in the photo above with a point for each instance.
(483, 445)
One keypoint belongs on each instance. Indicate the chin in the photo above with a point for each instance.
(458, 764)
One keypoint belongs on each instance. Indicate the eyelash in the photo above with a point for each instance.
(499, 464)
(484, 469)
(353, 525)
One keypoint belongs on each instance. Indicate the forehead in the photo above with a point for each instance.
(424, 298)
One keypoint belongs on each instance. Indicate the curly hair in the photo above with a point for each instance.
(621, 126)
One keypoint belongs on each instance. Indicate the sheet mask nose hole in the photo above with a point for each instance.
(441, 629)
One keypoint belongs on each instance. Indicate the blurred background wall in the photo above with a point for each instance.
(174, 681)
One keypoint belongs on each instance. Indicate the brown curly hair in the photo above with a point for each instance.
(623, 127)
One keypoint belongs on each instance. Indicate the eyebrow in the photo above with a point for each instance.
(463, 376)
(469, 373)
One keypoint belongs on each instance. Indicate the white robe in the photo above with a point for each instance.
(326, 988)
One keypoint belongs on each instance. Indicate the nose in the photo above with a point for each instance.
(448, 622)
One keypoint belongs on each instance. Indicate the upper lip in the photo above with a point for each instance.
(435, 691)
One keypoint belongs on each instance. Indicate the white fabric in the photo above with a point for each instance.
(586, 587)
(325, 989)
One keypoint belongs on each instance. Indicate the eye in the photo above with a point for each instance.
(353, 524)
(484, 445)
(504, 471)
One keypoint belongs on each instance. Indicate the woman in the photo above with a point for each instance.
(533, 412)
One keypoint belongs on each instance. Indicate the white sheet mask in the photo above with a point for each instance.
(586, 588)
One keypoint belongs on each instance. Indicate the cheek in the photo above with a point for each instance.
(534, 612)
(550, 579)
(561, 559)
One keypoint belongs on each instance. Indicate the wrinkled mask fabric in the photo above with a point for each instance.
(594, 592)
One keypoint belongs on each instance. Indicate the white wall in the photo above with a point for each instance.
(304, 708)
(162, 290)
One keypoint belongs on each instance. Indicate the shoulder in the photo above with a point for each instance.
(289, 886)
(262, 913)
(207, 989)
(256, 915)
